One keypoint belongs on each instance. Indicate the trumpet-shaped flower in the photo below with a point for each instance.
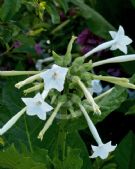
(37, 106)
(54, 78)
(121, 40)
(102, 150)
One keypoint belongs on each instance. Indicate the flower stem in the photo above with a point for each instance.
(91, 125)
(28, 135)
(49, 121)
(99, 48)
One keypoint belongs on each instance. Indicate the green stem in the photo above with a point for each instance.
(58, 28)
(6, 52)
(18, 73)
(28, 135)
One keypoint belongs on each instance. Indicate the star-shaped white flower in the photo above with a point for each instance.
(102, 150)
(37, 106)
(121, 40)
(54, 78)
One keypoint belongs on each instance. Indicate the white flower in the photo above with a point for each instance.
(12, 121)
(121, 40)
(102, 150)
(54, 78)
(96, 87)
(37, 106)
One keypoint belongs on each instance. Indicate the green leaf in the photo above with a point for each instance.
(75, 141)
(98, 24)
(73, 159)
(58, 59)
(107, 104)
(133, 2)
(8, 96)
(53, 12)
(68, 55)
(131, 110)
(64, 4)
(10, 158)
(111, 102)
(125, 152)
(9, 9)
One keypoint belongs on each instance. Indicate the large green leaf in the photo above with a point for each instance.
(125, 152)
(54, 13)
(71, 161)
(9, 9)
(108, 104)
(75, 141)
(64, 4)
(11, 159)
(133, 2)
(98, 24)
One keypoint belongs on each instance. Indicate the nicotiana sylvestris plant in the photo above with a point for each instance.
(71, 79)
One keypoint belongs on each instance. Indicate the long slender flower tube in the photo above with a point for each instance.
(27, 81)
(12, 121)
(118, 59)
(88, 96)
(18, 73)
(120, 41)
(35, 88)
(102, 150)
(124, 82)
(49, 121)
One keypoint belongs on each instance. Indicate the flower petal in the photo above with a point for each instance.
(102, 150)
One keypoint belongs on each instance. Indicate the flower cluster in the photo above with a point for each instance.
(67, 84)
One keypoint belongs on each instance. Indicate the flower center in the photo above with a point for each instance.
(55, 75)
(38, 103)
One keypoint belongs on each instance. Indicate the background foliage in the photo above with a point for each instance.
(30, 30)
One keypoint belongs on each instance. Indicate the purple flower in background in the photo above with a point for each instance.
(87, 40)
(17, 44)
(63, 16)
(38, 48)
(114, 72)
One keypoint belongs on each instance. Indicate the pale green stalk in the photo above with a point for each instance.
(49, 121)
(17, 73)
(27, 81)
(88, 96)
(34, 88)
(124, 82)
